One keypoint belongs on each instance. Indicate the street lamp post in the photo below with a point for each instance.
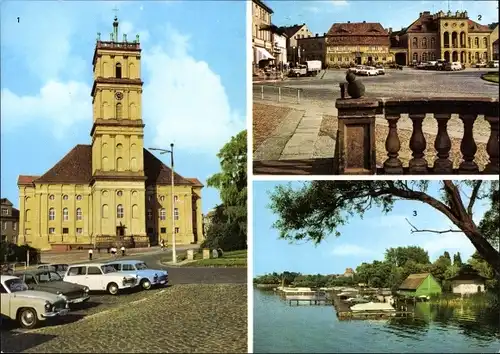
(171, 152)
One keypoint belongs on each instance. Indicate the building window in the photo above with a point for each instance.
(52, 230)
(5, 211)
(118, 110)
(433, 42)
(176, 198)
(65, 197)
(79, 230)
(14, 226)
(415, 42)
(119, 193)
(5, 225)
(119, 211)
(65, 214)
(51, 197)
(424, 56)
(485, 42)
(176, 230)
(52, 214)
(78, 214)
(415, 57)
(118, 71)
(163, 214)
(176, 214)
(162, 198)
(424, 42)
(476, 42)
(150, 214)
(65, 230)
(163, 230)
(78, 197)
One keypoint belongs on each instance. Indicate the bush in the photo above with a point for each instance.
(227, 236)
(11, 252)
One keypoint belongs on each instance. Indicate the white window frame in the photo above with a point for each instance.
(52, 214)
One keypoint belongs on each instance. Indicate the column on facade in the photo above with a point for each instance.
(42, 225)
(129, 212)
(22, 216)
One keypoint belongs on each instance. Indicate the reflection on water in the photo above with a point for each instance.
(281, 328)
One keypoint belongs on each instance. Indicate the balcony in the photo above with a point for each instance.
(356, 136)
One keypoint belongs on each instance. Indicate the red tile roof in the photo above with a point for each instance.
(358, 33)
(76, 168)
(476, 27)
(195, 181)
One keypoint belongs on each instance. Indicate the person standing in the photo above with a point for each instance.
(162, 244)
(91, 252)
(123, 250)
(113, 251)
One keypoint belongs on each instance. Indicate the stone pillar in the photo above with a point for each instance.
(206, 253)
(190, 255)
(356, 153)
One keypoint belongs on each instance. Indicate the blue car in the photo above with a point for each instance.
(147, 277)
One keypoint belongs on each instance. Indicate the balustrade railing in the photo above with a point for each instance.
(357, 148)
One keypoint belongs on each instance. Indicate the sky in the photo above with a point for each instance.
(320, 15)
(193, 68)
(361, 240)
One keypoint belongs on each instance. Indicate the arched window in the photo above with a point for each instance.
(65, 214)
(78, 214)
(52, 214)
(118, 71)
(65, 197)
(118, 110)
(105, 211)
(163, 214)
(424, 56)
(135, 211)
(424, 42)
(433, 43)
(415, 42)
(485, 42)
(119, 211)
(476, 42)
(28, 215)
(415, 56)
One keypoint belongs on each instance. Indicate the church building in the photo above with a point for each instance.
(113, 191)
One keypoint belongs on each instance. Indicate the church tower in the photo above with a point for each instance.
(118, 186)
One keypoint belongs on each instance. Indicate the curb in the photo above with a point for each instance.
(483, 75)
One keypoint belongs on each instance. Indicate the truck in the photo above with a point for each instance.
(310, 68)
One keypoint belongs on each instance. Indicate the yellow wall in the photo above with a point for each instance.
(337, 55)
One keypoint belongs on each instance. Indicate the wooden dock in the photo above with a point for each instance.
(344, 311)
(311, 300)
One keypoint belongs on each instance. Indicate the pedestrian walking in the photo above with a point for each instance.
(123, 250)
(113, 251)
(91, 252)
(162, 244)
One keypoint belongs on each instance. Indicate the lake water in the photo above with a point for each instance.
(280, 328)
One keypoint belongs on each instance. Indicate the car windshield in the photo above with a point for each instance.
(16, 285)
(61, 267)
(108, 269)
(141, 266)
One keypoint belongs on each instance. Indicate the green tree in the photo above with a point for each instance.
(400, 255)
(228, 227)
(319, 208)
(457, 260)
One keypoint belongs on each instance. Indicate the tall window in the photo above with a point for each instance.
(118, 71)
(119, 211)
(163, 214)
(415, 42)
(65, 214)
(118, 110)
(415, 56)
(78, 214)
(433, 43)
(424, 42)
(476, 42)
(14, 226)
(52, 214)
(150, 214)
(485, 42)
(176, 214)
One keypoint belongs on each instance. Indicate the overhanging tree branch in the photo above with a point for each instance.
(415, 229)
(473, 197)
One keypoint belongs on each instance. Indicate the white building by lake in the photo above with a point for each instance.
(467, 283)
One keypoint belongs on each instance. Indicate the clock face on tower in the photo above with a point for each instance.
(119, 95)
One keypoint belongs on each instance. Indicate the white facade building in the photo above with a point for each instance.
(280, 49)
(467, 286)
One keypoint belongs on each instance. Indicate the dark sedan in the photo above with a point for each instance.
(51, 281)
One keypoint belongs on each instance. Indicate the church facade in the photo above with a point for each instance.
(113, 191)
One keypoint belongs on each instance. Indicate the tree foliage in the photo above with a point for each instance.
(228, 224)
(319, 208)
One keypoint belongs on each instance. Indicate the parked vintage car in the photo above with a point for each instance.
(147, 277)
(356, 69)
(52, 282)
(60, 268)
(454, 66)
(28, 307)
(367, 71)
(101, 277)
(380, 70)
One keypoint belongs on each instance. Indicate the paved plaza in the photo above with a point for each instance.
(204, 310)
(296, 119)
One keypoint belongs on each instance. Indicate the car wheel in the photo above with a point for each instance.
(27, 318)
(113, 288)
(146, 284)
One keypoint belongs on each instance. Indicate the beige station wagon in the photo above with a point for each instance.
(28, 307)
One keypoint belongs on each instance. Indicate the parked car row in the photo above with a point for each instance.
(364, 70)
(30, 297)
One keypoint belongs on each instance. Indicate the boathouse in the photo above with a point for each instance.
(420, 285)
(468, 281)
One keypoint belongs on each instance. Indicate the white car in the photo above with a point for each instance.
(356, 69)
(28, 307)
(368, 71)
(380, 70)
(493, 64)
(101, 277)
(481, 65)
(454, 66)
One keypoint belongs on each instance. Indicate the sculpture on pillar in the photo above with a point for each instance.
(355, 89)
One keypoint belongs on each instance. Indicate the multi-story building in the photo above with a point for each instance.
(294, 33)
(313, 47)
(279, 50)
(9, 221)
(359, 43)
(113, 190)
(495, 50)
(449, 36)
(494, 41)
(262, 41)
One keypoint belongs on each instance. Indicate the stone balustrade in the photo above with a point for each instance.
(356, 141)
